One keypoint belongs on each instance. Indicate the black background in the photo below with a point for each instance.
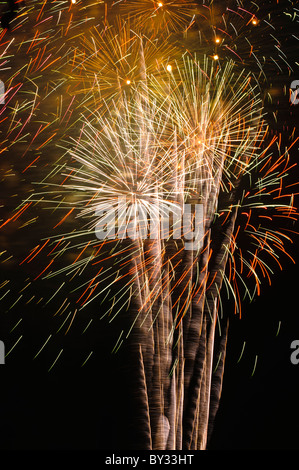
(86, 408)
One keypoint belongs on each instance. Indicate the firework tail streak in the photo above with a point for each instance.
(158, 105)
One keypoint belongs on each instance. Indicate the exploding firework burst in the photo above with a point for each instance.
(160, 107)
(113, 60)
(156, 153)
(155, 16)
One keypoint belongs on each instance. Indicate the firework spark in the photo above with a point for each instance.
(153, 109)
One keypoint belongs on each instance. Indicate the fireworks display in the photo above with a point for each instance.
(143, 107)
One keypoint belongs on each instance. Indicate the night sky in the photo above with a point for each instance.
(75, 407)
